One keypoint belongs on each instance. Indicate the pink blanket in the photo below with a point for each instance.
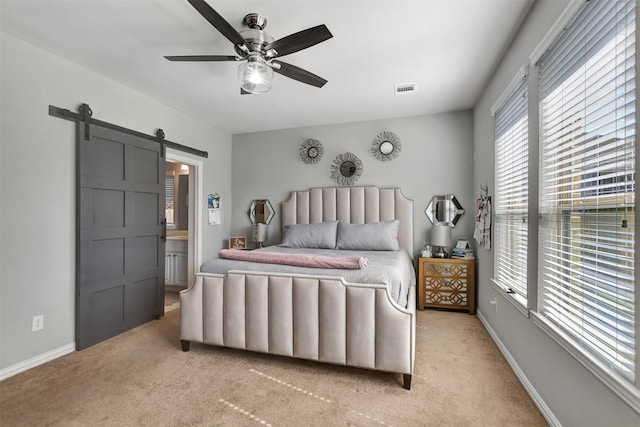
(299, 260)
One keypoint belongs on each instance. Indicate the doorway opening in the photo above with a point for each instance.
(182, 184)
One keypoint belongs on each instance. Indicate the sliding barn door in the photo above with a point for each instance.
(120, 243)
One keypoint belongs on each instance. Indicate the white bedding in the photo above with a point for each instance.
(391, 268)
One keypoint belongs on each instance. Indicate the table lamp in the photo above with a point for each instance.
(260, 233)
(440, 237)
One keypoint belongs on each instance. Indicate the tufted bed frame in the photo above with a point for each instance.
(312, 317)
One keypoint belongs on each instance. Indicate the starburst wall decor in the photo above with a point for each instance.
(386, 146)
(311, 151)
(346, 168)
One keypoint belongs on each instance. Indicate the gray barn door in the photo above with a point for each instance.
(120, 241)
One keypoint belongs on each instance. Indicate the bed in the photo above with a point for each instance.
(362, 319)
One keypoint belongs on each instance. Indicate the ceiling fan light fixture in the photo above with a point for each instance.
(255, 75)
(258, 50)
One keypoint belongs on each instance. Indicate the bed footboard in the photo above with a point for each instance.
(316, 318)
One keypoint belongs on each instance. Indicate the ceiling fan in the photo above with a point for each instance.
(258, 50)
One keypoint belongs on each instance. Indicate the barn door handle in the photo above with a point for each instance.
(163, 236)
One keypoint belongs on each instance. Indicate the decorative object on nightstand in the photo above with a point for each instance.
(446, 283)
(346, 169)
(386, 146)
(440, 237)
(260, 234)
(427, 251)
(311, 151)
(462, 250)
(238, 242)
(261, 213)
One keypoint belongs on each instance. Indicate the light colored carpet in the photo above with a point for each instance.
(142, 378)
(171, 300)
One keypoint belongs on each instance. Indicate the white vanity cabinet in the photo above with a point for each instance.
(175, 265)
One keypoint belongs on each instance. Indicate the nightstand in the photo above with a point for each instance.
(446, 283)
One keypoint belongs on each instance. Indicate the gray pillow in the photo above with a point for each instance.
(377, 236)
(321, 235)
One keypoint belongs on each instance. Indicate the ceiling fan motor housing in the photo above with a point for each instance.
(255, 21)
(258, 39)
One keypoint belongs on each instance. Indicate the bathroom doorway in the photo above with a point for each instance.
(181, 188)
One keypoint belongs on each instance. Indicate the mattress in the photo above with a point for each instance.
(393, 269)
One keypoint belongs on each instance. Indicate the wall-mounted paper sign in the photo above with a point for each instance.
(214, 217)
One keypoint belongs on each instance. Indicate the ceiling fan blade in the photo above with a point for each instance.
(298, 74)
(300, 40)
(219, 23)
(202, 58)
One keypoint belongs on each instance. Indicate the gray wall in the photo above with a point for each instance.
(436, 158)
(37, 212)
(572, 393)
(37, 205)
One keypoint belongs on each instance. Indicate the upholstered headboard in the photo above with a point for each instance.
(357, 205)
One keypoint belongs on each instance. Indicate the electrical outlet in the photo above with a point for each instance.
(494, 303)
(37, 323)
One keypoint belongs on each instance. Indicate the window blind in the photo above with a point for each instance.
(511, 192)
(587, 183)
(168, 191)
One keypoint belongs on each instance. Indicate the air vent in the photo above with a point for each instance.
(401, 89)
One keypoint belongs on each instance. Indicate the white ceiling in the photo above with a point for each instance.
(447, 47)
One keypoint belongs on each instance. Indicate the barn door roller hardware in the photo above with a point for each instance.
(85, 115)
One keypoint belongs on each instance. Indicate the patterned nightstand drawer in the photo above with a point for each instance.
(446, 283)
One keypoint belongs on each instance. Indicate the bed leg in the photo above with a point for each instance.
(407, 381)
(185, 345)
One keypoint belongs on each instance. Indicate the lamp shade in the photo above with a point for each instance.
(440, 235)
(260, 232)
(255, 75)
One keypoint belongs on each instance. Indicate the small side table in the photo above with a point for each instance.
(447, 283)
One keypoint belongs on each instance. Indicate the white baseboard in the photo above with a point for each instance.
(531, 391)
(37, 360)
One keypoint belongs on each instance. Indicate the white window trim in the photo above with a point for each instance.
(518, 301)
(627, 391)
(609, 376)
(522, 74)
(565, 19)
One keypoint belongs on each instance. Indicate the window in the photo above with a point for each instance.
(511, 194)
(168, 190)
(587, 184)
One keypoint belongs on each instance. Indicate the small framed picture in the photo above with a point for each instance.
(237, 242)
(462, 244)
(213, 201)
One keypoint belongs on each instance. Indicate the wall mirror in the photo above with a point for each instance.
(311, 151)
(346, 169)
(386, 146)
(261, 212)
(444, 210)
